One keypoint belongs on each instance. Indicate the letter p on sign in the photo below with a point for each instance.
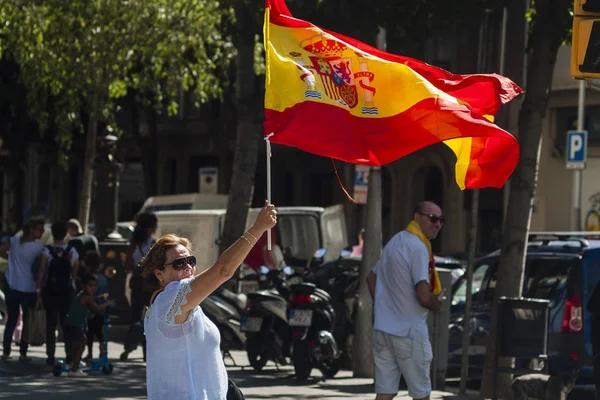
(576, 149)
(576, 146)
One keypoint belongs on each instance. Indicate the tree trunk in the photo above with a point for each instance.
(550, 24)
(363, 336)
(85, 200)
(248, 130)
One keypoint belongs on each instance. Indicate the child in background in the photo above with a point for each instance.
(76, 322)
(95, 322)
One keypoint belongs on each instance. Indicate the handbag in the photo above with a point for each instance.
(35, 332)
(234, 392)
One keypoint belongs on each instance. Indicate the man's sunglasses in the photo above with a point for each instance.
(180, 263)
(434, 218)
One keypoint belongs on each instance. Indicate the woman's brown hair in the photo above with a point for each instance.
(157, 257)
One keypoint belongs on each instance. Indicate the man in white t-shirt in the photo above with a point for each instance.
(400, 286)
(56, 284)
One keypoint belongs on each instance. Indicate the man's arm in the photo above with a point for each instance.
(41, 271)
(420, 277)
(4, 248)
(427, 299)
(371, 281)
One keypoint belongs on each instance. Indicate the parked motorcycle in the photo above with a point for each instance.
(265, 320)
(339, 278)
(247, 278)
(311, 319)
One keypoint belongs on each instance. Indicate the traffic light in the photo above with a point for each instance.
(583, 7)
(585, 49)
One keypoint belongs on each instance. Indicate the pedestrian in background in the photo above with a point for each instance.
(19, 288)
(95, 320)
(76, 322)
(81, 241)
(358, 249)
(56, 279)
(405, 287)
(141, 241)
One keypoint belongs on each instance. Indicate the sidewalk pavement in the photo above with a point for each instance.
(34, 380)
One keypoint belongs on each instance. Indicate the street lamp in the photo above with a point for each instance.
(112, 245)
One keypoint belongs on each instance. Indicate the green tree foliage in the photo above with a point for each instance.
(85, 54)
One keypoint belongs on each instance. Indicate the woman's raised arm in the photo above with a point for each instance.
(225, 266)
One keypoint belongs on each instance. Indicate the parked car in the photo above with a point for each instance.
(457, 266)
(561, 267)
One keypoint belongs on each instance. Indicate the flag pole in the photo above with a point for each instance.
(268, 182)
(267, 82)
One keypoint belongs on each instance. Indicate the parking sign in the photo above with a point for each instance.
(576, 149)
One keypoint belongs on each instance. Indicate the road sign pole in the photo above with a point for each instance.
(577, 173)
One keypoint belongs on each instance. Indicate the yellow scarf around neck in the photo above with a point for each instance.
(434, 280)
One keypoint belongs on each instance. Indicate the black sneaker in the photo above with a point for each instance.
(50, 360)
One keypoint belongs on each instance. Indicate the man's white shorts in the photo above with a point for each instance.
(396, 356)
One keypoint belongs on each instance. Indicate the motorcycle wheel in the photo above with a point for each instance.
(301, 359)
(331, 369)
(258, 353)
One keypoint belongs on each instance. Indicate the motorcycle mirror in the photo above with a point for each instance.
(263, 270)
(288, 270)
(320, 253)
(345, 253)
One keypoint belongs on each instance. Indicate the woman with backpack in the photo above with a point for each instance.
(20, 288)
(141, 241)
(56, 278)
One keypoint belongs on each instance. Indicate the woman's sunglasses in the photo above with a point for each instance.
(180, 263)
(434, 218)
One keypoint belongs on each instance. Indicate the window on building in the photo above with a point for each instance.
(566, 120)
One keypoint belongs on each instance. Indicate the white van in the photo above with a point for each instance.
(185, 201)
(299, 232)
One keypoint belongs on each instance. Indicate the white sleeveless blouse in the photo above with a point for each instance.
(184, 361)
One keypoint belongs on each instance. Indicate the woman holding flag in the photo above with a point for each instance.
(184, 359)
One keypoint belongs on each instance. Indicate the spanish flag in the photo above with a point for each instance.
(334, 96)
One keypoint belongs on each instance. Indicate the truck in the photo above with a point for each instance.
(299, 232)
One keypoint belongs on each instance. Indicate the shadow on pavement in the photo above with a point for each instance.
(300, 396)
(123, 383)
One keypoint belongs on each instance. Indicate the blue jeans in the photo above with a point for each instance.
(15, 300)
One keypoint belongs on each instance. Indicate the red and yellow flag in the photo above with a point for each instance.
(332, 95)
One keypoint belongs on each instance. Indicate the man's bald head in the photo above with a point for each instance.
(426, 212)
(428, 207)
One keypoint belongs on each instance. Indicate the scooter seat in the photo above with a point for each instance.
(265, 295)
(323, 295)
(238, 299)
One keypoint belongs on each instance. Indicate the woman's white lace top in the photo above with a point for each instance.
(184, 361)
